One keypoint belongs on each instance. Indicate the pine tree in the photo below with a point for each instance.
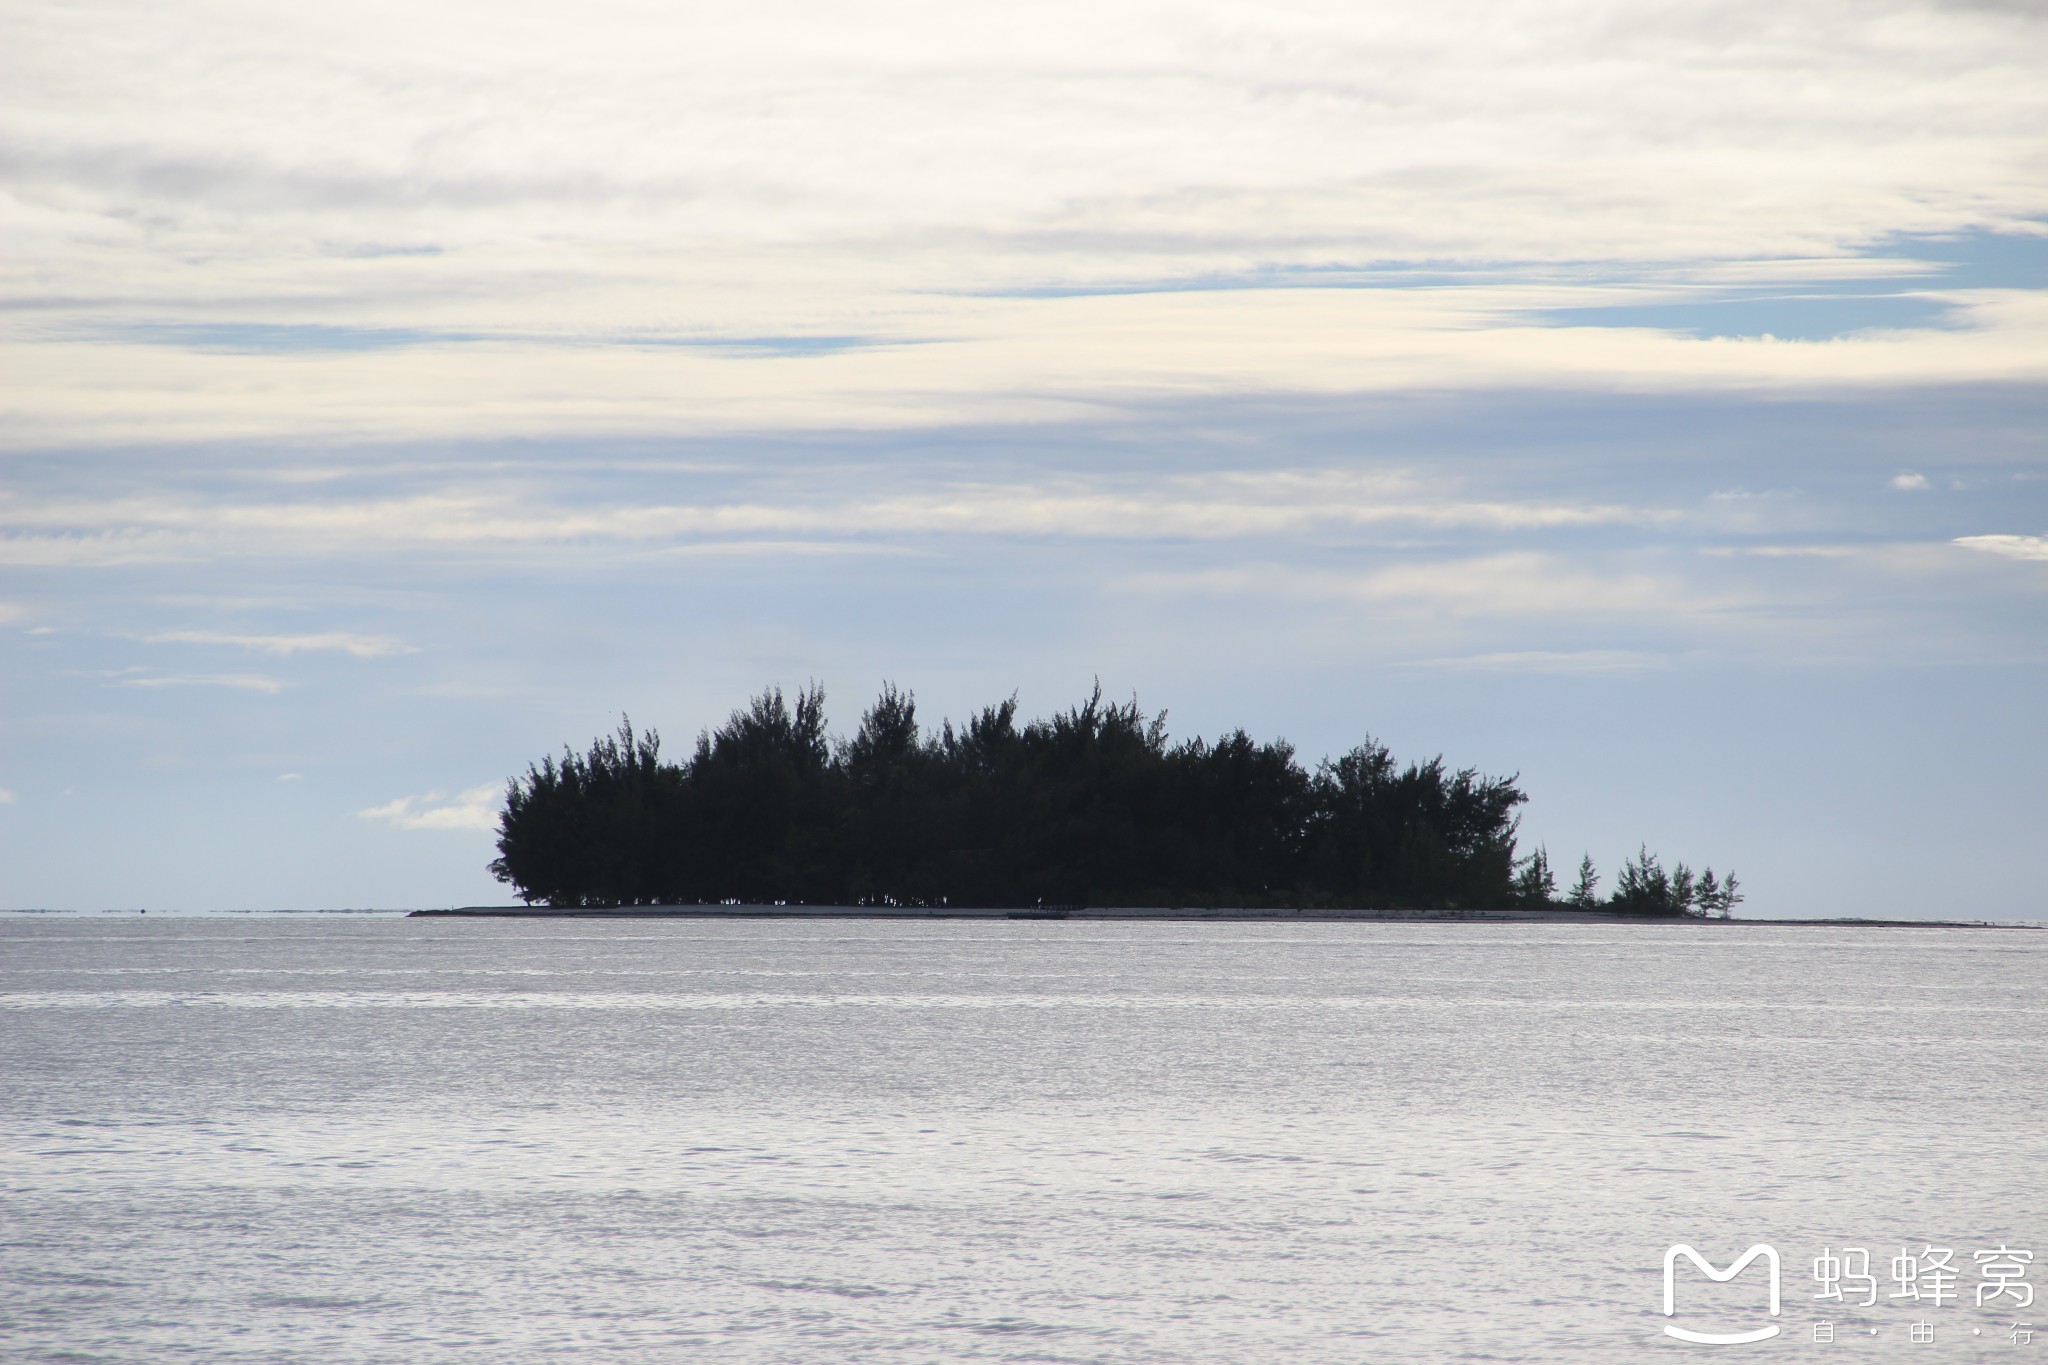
(1717, 898)
(1535, 885)
(1585, 892)
(1643, 886)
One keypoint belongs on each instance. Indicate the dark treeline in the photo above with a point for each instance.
(1091, 806)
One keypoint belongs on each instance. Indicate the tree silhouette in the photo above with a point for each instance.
(1585, 892)
(1535, 886)
(1093, 805)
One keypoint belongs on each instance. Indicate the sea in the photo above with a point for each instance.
(355, 1138)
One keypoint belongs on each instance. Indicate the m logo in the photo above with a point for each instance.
(1770, 1257)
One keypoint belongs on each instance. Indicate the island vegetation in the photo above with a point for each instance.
(1092, 806)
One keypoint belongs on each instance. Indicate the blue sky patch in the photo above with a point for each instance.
(1977, 260)
(273, 338)
(768, 345)
(1804, 316)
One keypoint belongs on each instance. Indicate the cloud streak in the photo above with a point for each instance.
(473, 809)
(1039, 360)
(239, 682)
(1575, 662)
(1227, 506)
(357, 646)
(1506, 585)
(2007, 546)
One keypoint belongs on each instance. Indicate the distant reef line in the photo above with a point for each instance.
(1157, 914)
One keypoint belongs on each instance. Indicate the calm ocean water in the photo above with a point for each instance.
(333, 1139)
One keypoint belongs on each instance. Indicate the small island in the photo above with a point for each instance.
(1091, 807)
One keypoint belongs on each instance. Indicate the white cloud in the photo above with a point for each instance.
(1909, 483)
(1097, 133)
(291, 777)
(2012, 547)
(244, 682)
(503, 222)
(473, 809)
(361, 646)
(7, 797)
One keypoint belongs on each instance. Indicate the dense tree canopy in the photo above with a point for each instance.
(1091, 806)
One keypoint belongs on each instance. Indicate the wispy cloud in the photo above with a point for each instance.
(1112, 507)
(2011, 547)
(360, 646)
(1910, 483)
(7, 797)
(241, 682)
(1105, 133)
(1577, 661)
(1506, 585)
(1013, 360)
(1783, 551)
(1113, 202)
(473, 809)
(777, 549)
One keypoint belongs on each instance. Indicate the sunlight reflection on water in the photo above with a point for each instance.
(389, 1140)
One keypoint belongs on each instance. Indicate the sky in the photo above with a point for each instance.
(1650, 399)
